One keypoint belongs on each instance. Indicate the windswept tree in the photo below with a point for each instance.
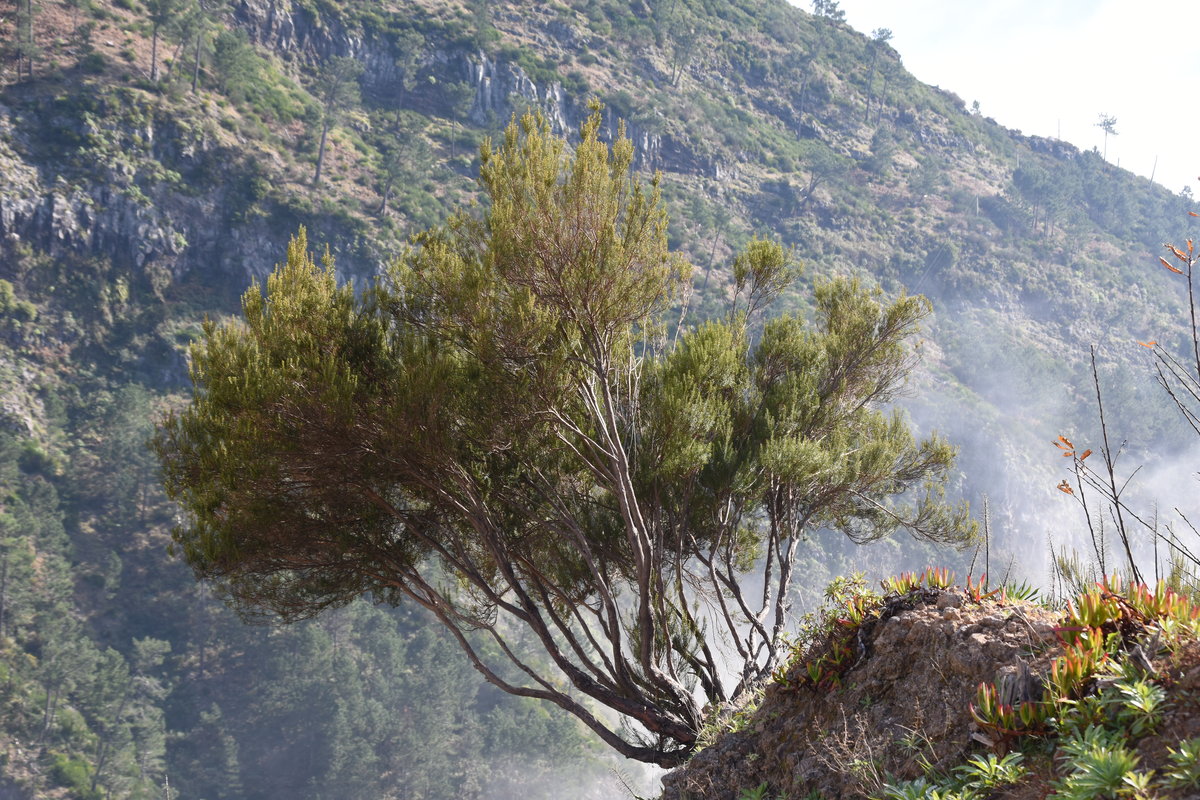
(499, 432)
(829, 9)
(411, 46)
(236, 67)
(683, 39)
(823, 165)
(402, 152)
(196, 33)
(1036, 187)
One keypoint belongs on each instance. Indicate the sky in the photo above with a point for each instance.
(1051, 67)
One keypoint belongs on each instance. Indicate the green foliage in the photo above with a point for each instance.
(1184, 770)
(511, 363)
(826, 645)
(922, 789)
(901, 584)
(73, 774)
(1005, 720)
(1085, 656)
(1100, 766)
(757, 793)
(250, 79)
(978, 778)
(938, 578)
(987, 773)
(19, 311)
(1020, 592)
(722, 720)
(1138, 703)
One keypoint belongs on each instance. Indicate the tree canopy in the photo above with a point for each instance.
(502, 431)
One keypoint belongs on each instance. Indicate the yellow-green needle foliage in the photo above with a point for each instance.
(499, 432)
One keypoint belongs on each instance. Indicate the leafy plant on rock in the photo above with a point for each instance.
(827, 645)
(984, 773)
(1100, 766)
(1184, 771)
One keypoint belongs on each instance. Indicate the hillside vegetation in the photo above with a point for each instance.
(156, 156)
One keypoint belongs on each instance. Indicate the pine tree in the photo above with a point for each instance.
(337, 90)
(161, 13)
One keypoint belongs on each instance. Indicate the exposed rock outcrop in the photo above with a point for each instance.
(906, 699)
(500, 87)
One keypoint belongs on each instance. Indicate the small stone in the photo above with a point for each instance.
(977, 639)
(949, 600)
(951, 614)
(1191, 680)
(1045, 630)
(963, 661)
(992, 621)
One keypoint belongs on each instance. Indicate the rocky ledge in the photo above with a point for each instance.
(904, 702)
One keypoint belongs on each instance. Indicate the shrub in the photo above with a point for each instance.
(74, 775)
(93, 63)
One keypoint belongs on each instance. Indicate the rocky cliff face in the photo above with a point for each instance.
(905, 701)
(169, 198)
(147, 193)
(112, 217)
(499, 87)
(158, 194)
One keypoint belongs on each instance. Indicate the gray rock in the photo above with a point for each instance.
(949, 600)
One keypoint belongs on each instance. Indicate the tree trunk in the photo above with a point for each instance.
(800, 103)
(51, 701)
(196, 61)
(154, 54)
(29, 44)
(3, 595)
(174, 59)
(321, 151)
(383, 206)
(870, 86)
(711, 255)
(882, 97)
